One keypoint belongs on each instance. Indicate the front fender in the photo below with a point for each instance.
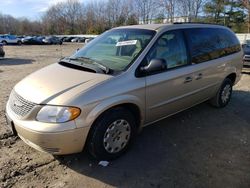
(112, 102)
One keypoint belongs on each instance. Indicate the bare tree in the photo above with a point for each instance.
(146, 9)
(73, 14)
(190, 8)
(246, 4)
(170, 8)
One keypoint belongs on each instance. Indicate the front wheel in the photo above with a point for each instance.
(4, 42)
(111, 134)
(223, 96)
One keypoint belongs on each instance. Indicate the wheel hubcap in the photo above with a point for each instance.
(116, 136)
(225, 95)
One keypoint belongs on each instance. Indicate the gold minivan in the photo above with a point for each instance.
(123, 80)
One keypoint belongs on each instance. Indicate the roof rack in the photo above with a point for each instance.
(196, 23)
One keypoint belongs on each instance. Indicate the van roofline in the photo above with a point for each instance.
(160, 26)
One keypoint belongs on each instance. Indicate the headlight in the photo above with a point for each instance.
(57, 114)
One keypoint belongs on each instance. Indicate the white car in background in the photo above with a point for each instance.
(10, 39)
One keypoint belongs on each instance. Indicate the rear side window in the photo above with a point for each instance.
(211, 43)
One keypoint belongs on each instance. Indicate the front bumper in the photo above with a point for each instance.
(66, 142)
(54, 142)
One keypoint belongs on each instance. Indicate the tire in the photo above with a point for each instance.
(19, 42)
(223, 96)
(4, 42)
(111, 134)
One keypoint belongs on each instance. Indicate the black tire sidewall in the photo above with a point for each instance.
(96, 146)
(219, 97)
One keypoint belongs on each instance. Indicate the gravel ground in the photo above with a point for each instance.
(200, 147)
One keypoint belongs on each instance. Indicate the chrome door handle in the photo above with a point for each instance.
(188, 79)
(199, 76)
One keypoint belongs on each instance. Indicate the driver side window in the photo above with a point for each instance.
(171, 48)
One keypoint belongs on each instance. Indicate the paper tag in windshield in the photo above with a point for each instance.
(126, 43)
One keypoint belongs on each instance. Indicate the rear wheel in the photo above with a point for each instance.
(111, 134)
(19, 42)
(223, 96)
(4, 42)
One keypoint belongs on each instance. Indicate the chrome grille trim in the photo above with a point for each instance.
(19, 106)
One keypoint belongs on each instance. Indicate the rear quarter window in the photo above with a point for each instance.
(211, 43)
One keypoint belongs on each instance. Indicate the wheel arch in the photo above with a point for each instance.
(232, 77)
(132, 104)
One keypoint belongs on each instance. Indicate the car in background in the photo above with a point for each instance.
(61, 38)
(2, 53)
(25, 39)
(10, 39)
(36, 40)
(52, 40)
(246, 50)
(78, 39)
(81, 39)
(20, 37)
(68, 39)
(75, 39)
(89, 39)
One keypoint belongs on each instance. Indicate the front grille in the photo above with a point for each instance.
(19, 105)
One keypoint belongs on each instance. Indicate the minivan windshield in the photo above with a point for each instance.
(115, 49)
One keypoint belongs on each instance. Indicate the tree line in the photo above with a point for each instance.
(95, 17)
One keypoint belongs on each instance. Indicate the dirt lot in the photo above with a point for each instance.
(200, 147)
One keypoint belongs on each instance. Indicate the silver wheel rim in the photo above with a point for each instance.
(225, 95)
(116, 136)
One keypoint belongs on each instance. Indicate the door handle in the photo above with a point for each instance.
(199, 76)
(188, 79)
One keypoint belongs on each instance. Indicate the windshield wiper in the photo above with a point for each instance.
(104, 68)
(80, 66)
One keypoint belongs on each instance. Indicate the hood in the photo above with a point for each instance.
(57, 83)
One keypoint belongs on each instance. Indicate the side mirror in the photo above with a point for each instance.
(154, 66)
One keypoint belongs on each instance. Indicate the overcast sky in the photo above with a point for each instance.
(31, 9)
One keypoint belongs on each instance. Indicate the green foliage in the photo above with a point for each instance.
(230, 13)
